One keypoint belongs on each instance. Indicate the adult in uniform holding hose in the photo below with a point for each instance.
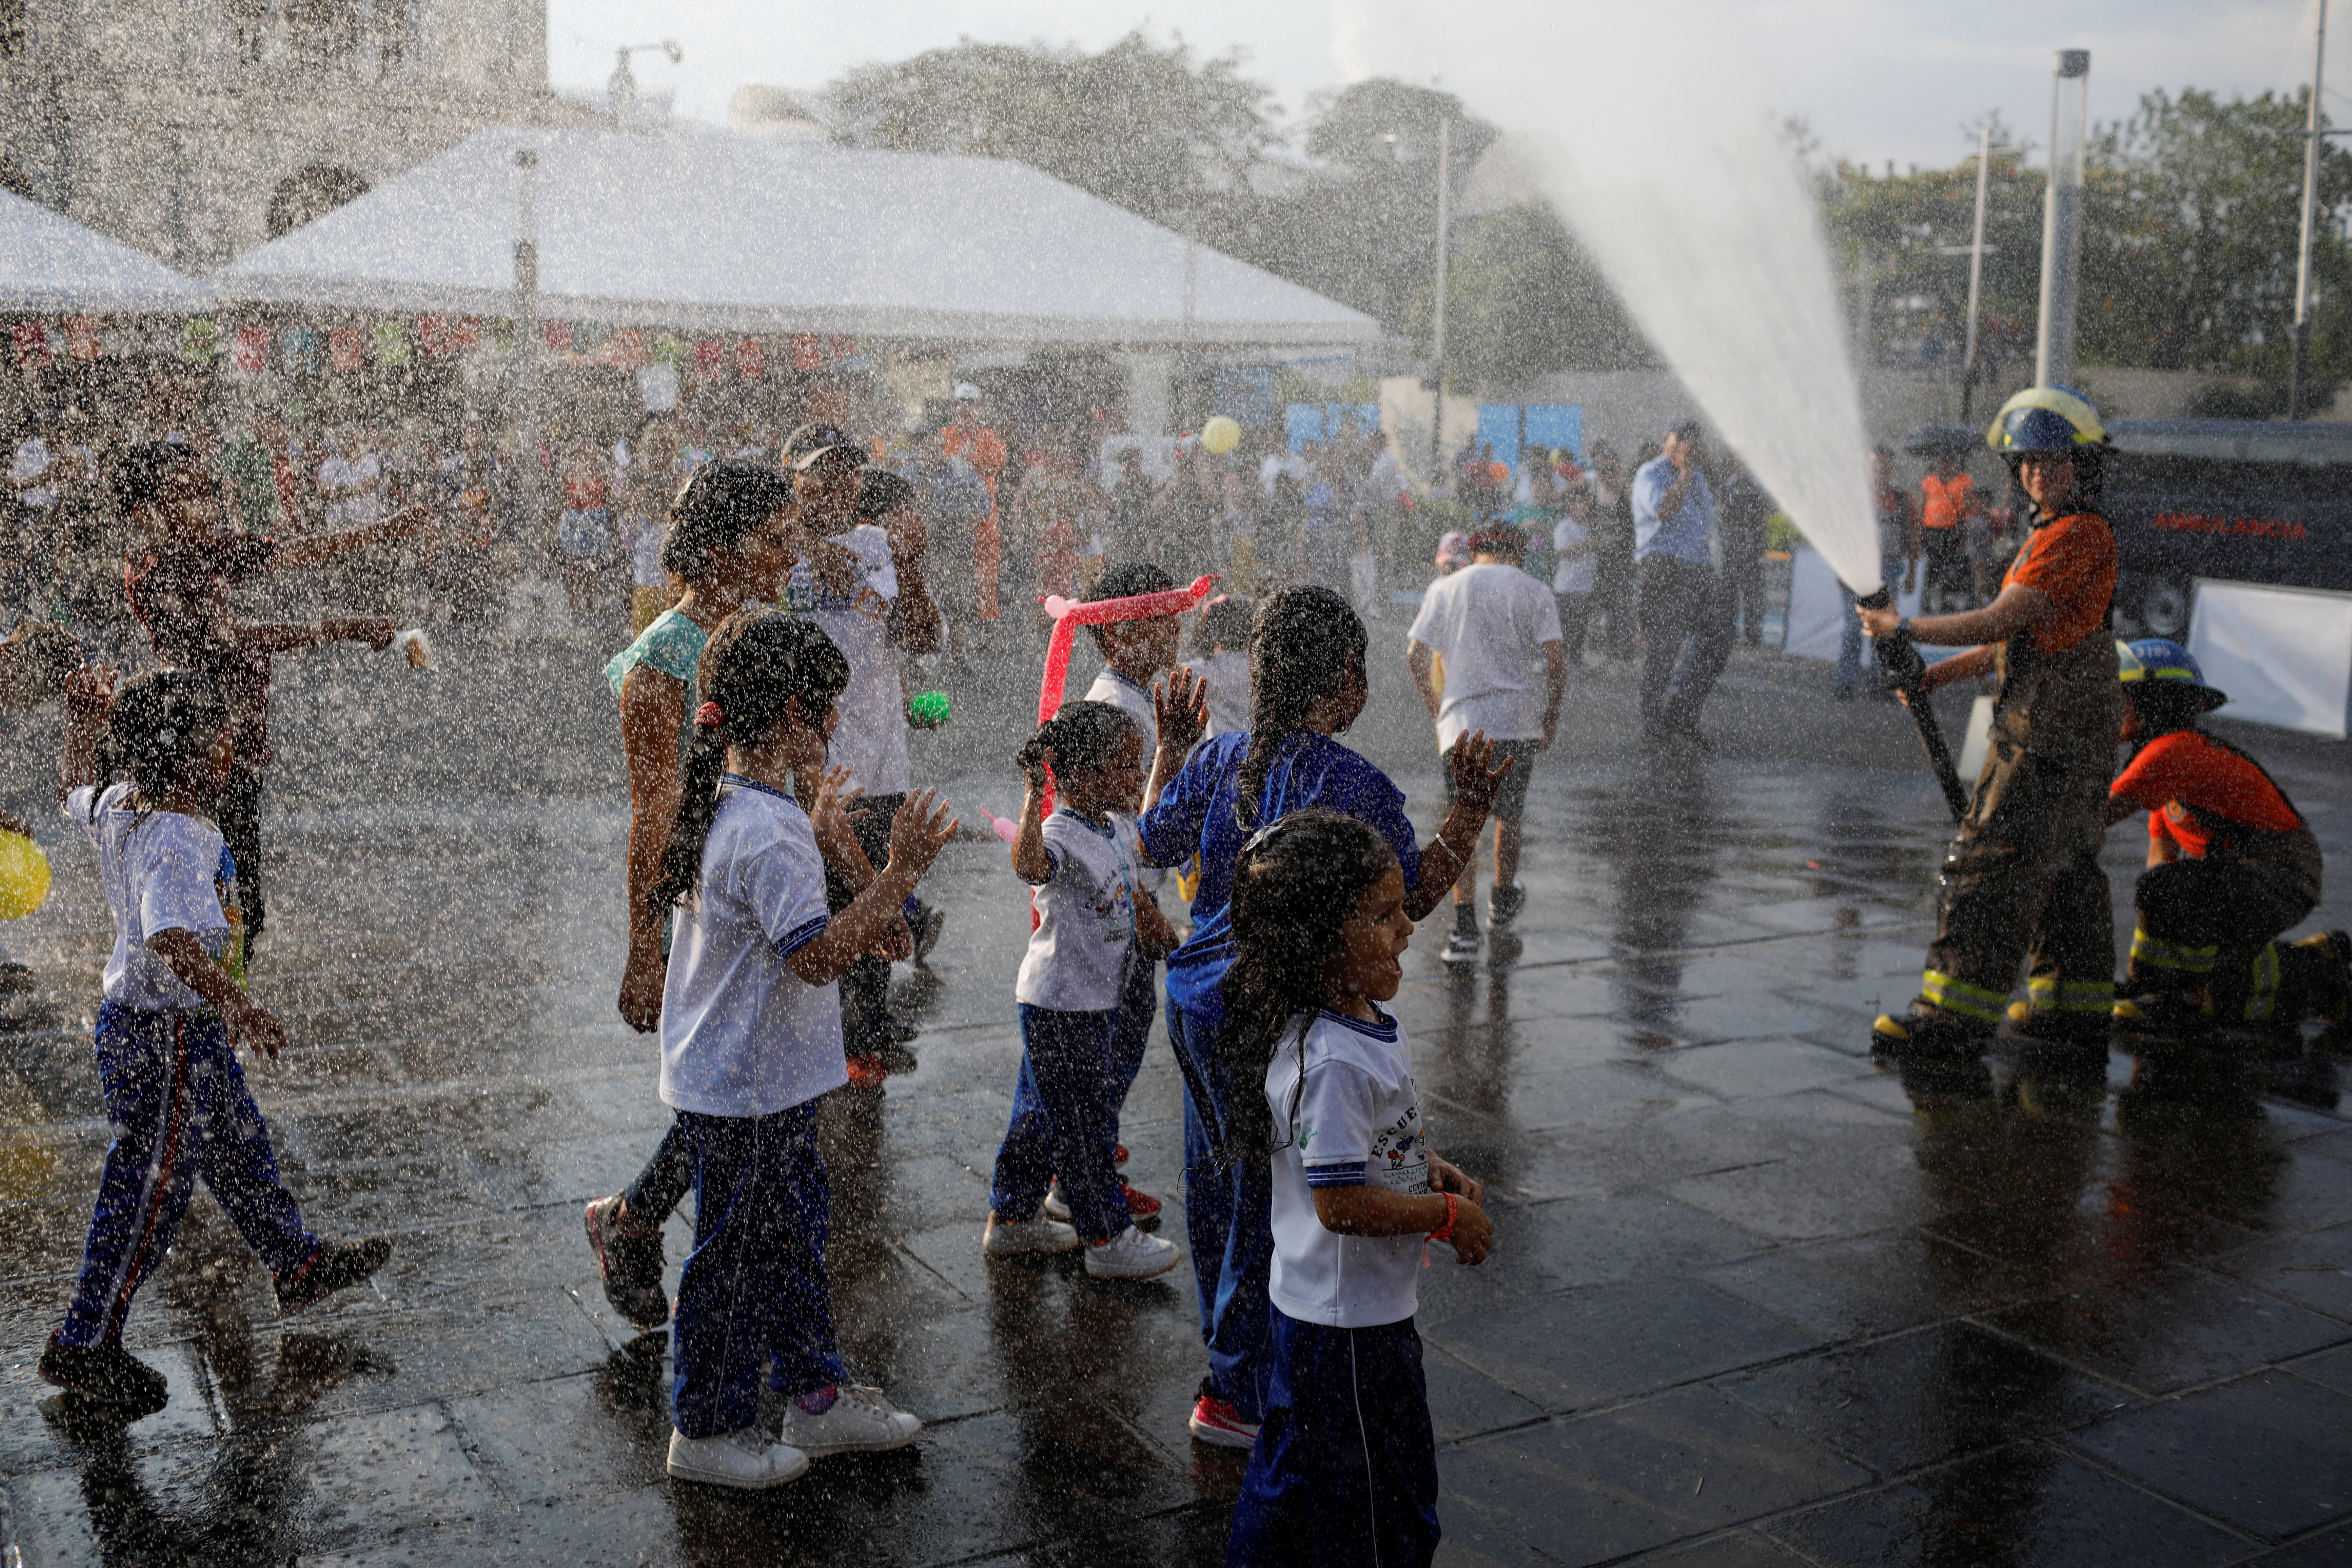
(2023, 876)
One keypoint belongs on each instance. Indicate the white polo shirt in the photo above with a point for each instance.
(1086, 916)
(1357, 1122)
(742, 1034)
(1135, 701)
(162, 871)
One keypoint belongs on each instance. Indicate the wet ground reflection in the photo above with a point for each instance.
(1756, 1301)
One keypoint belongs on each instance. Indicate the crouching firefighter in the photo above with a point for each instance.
(2232, 866)
(2023, 877)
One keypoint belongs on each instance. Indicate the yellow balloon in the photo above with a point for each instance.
(24, 876)
(1220, 435)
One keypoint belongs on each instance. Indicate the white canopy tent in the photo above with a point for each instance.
(50, 263)
(733, 234)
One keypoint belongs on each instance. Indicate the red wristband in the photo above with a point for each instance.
(1452, 1208)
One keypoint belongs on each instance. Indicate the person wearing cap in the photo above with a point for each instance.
(2232, 866)
(2023, 879)
(1489, 623)
(1676, 556)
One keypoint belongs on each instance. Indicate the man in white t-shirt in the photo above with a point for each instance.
(1490, 622)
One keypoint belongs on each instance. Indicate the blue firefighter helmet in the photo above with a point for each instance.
(2046, 420)
(2161, 661)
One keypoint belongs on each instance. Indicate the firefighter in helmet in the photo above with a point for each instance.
(2023, 877)
(2231, 865)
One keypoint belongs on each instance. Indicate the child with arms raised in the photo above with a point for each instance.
(750, 1027)
(1092, 913)
(1344, 1469)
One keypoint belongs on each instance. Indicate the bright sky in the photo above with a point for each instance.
(1878, 78)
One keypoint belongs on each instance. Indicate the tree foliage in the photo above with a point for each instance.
(1523, 300)
(2191, 214)
(1154, 128)
(2191, 232)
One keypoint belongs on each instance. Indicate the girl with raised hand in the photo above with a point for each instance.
(1308, 684)
(1083, 861)
(750, 1029)
(1345, 1468)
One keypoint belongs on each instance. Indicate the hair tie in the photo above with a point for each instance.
(167, 736)
(709, 716)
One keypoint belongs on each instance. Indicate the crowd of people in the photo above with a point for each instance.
(777, 842)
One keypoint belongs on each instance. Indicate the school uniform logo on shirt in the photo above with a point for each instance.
(1399, 1155)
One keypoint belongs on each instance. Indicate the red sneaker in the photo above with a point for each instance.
(866, 1073)
(1141, 1206)
(1119, 1154)
(1219, 1425)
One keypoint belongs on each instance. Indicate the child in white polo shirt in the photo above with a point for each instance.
(1092, 920)
(1345, 1467)
(751, 1032)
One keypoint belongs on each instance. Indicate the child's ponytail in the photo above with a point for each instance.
(1081, 735)
(754, 664)
(1307, 640)
(1294, 888)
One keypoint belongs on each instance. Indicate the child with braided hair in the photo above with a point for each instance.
(751, 1032)
(1308, 684)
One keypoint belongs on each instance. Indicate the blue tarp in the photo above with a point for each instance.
(1306, 422)
(1244, 395)
(1504, 426)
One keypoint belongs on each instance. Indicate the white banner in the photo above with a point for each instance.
(2283, 655)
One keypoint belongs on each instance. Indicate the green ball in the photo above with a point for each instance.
(929, 710)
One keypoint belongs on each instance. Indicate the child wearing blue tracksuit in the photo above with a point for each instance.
(1092, 920)
(750, 1031)
(175, 1097)
(1344, 1471)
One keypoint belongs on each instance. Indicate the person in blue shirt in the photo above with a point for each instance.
(1308, 684)
(1676, 566)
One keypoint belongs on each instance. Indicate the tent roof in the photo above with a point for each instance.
(740, 234)
(48, 262)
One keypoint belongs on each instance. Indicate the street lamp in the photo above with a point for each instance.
(623, 85)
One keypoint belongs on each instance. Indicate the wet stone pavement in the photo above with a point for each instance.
(1754, 1300)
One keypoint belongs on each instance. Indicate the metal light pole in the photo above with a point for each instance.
(2310, 201)
(1976, 268)
(623, 85)
(527, 487)
(2062, 220)
(1437, 403)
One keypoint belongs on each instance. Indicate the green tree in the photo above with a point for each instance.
(1522, 300)
(1156, 128)
(2191, 221)
(1362, 229)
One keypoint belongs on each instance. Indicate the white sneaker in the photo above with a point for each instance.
(1461, 947)
(1055, 1208)
(859, 1421)
(1131, 1254)
(746, 1459)
(1004, 1237)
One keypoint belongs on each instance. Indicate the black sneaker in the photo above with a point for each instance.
(336, 1266)
(1504, 905)
(108, 1376)
(1926, 1037)
(630, 1264)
